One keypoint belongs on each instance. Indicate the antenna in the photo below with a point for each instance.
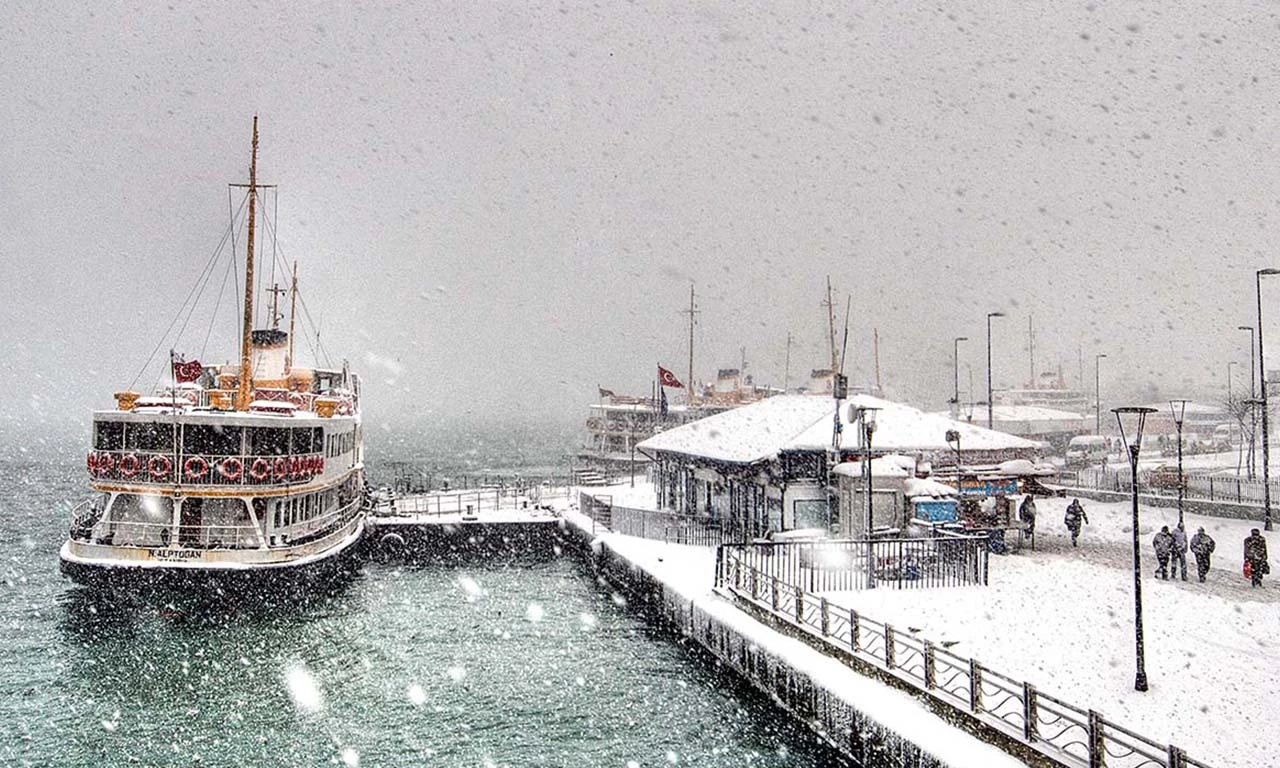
(844, 345)
(786, 367)
(293, 306)
(1031, 350)
(876, 340)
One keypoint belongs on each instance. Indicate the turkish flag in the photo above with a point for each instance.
(184, 372)
(667, 378)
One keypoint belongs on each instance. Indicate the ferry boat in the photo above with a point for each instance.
(234, 473)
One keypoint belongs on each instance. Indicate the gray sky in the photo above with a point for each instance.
(497, 207)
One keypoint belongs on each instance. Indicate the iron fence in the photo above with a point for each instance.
(1198, 487)
(649, 523)
(833, 565)
(471, 501)
(1071, 734)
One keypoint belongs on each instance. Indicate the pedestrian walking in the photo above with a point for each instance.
(1178, 558)
(1163, 543)
(1255, 557)
(1202, 545)
(1074, 518)
(1027, 514)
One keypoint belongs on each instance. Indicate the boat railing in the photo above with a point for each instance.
(320, 527)
(161, 468)
(128, 533)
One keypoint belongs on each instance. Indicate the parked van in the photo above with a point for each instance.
(1084, 450)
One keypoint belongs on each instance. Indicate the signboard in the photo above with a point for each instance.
(989, 486)
(936, 510)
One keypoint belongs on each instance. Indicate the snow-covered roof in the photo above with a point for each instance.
(761, 430)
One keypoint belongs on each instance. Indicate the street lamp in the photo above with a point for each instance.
(1262, 390)
(1229, 364)
(1253, 416)
(955, 397)
(1138, 415)
(867, 417)
(1097, 396)
(1179, 410)
(989, 406)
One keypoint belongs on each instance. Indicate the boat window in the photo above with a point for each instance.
(108, 435)
(211, 439)
(148, 437)
(317, 440)
(301, 440)
(141, 520)
(268, 441)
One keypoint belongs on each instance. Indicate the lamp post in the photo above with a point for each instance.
(1097, 396)
(1253, 415)
(1229, 364)
(990, 410)
(1179, 410)
(1262, 391)
(955, 396)
(1138, 415)
(867, 418)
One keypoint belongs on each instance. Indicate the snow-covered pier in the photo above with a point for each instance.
(870, 722)
(442, 523)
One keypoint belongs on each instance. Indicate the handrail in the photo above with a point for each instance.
(1044, 722)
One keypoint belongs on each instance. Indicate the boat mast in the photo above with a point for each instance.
(831, 328)
(246, 336)
(293, 308)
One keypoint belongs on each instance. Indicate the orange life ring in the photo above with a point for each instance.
(129, 465)
(195, 467)
(106, 463)
(281, 468)
(159, 466)
(260, 469)
(231, 469)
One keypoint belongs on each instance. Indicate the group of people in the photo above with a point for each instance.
(1171, 554)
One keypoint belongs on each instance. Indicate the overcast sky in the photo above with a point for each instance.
(497, 207)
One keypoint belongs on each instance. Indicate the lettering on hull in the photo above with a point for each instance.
(174, 554)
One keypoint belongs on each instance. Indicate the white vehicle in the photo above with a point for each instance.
(1084, 450)
(1227, 436)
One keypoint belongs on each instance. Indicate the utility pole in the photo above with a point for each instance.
(831, 327)
(691, 312)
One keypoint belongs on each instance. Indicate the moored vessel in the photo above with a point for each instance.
(234, 474)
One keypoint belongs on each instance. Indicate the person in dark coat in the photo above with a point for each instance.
(1255, 555)
(1027, 513)
(1073, 519)
(1163, 543)
(1202, 545)
(1179, 555)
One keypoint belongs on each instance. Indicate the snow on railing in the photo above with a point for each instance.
(1018, 709)
(651, 524)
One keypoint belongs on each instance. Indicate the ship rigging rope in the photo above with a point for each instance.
(196, 290)
(318, 350)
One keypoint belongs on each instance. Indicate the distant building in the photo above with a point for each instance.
(1034, 422)
(767, 466)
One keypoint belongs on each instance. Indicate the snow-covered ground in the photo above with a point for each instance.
(1062, 618)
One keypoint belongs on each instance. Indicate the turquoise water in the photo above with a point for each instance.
(529, 662)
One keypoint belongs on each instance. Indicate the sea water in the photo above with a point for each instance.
(485, 663)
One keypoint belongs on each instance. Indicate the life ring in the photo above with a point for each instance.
(159, 466)
(106, 463)
(91, 463)
(195, 468)
(129, 464)
(231, 469)
(260, 469)
(281, 468)
(295, 467)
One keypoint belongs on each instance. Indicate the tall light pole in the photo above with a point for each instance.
(1097, 396)
(1262, 391)
(867, 418)
(1179, 410)
(990, 409)
(955, 397)
(1229, 364)
(1253, 415)
(1138, 415)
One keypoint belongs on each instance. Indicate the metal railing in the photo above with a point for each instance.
(1068, 733)
(1199, 487)
(651, 524)
(474, 501)
(834, 565)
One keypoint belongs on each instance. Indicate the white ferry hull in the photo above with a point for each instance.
(101, 566)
